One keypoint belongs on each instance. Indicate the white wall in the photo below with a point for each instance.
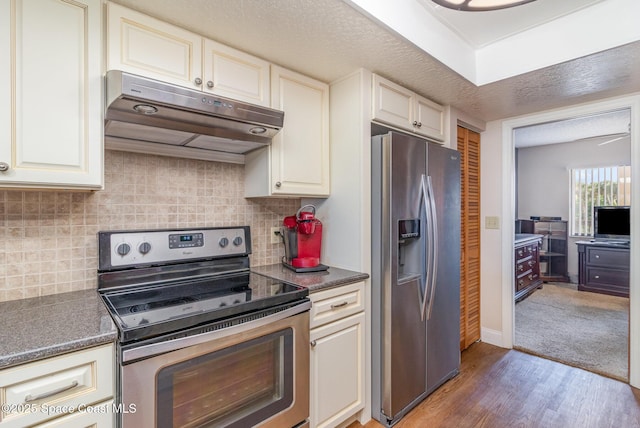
(544, 178)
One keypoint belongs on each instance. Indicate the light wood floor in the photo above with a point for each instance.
(499, 388)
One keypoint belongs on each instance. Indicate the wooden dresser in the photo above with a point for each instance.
(527, 264)
(603, 268)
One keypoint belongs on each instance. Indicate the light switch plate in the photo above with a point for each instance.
(492, 222)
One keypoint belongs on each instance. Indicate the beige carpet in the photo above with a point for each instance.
(578, 328)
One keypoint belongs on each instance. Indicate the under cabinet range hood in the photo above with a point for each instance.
(148, 116)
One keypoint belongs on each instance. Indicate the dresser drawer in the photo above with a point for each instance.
(604, 276)
(530, 264)
(38, 391)
(526, 279)
(336, 303)
(608, 257)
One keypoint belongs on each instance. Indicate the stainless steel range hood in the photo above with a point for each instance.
(148, 116)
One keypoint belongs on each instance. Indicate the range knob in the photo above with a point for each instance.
(123, 249)
(237, 241)
(144, 247)
(223, 242)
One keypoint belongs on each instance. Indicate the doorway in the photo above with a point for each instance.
(563, 169)
(507, 148)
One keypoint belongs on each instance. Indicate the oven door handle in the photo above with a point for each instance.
(154, 349)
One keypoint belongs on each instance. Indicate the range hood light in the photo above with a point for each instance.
(258, 130)
(145, 109)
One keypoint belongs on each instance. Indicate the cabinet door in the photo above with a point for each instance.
(51, 112)
(429, 119)
(142, 45)
(392, 104)
(101, 415)
(337, 371)
(300, 151)
(234, 74)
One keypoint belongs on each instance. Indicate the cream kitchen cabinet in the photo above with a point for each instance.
(51, 126)
(143, 45)
(337, 355)
(297, 161)
(71, 390)
(402, 108)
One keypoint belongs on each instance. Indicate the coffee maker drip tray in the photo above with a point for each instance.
(318, 268)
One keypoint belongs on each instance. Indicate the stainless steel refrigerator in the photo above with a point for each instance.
(415, 277)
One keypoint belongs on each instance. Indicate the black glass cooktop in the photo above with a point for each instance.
(146, 311)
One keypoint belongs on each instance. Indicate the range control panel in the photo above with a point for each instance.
(119, 249)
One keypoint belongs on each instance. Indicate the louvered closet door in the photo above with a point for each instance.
(469, 147)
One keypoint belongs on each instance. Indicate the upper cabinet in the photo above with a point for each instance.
(51, 126)
(234, 74)
(142, 45)
(297, 161)
(402, 108)
(296, 164)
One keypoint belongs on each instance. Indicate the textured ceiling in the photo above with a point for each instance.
(328, 39)
(610, 126)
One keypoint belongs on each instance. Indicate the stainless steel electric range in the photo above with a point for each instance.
(203, 341)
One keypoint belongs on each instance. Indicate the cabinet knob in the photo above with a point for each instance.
(597, 277)
(278, 184)
(415, 123)
(4, 166)
(313, 343)
(419, 124)
(198, 81)
(209, 84)
(597, 256)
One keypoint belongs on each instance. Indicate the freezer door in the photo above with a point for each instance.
(403, 273)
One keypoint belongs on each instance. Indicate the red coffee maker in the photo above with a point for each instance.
(302, 235)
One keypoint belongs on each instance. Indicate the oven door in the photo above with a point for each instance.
(252, 374)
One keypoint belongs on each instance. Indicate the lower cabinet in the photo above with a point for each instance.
(337, 355)
(72, 390)
(603, 268)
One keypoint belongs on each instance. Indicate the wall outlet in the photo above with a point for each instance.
(492, 222)
(275, 235)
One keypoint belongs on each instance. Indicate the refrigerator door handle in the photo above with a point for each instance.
(426, 282)
(433, 232)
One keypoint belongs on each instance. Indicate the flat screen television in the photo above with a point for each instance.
(611, 223)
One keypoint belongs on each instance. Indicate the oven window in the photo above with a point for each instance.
(238, 386)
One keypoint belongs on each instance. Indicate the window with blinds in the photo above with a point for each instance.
(590, 187)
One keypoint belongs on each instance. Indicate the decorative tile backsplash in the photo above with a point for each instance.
(48, 239)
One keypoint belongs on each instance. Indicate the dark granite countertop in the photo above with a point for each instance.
(314, 281)
(523, 237)
(41, 327)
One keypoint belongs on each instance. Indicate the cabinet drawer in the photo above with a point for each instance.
(527, 265)
(99, 415)
(336, 303)
(604, 276)
(37, 391)
(608, 257)
(527, 279)
(526, 252)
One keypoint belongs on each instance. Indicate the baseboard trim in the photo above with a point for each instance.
(492, 337)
